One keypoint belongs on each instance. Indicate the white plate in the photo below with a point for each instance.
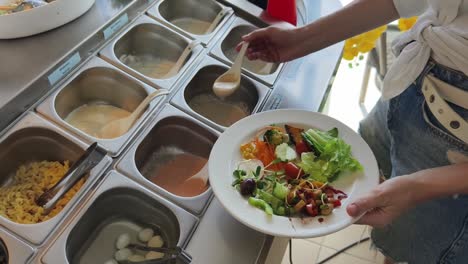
(225, 155)
(43, 18)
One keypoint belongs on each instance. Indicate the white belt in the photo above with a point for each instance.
(436, 93)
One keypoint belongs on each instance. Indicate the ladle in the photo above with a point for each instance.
(229, 82)
(267, 68)
(200, 175)
(216, 21)
(120, 126)
(183, 57)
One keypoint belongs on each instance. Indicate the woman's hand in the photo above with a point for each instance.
(281, 43)
(273, 44)
(393, 197)
(385, 203)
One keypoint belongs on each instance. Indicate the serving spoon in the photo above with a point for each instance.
(267, 68)
(216, 21)
(120, 126)
(200, 175)
(229, 82)
(180, 62)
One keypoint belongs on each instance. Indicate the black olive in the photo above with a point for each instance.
(247, 186)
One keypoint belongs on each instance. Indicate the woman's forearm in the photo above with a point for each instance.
(439, 182)
(358, 17)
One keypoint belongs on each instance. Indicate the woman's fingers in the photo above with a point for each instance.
(256, 35)
(376, 218)
(254, 38)
(364, 204)
(373, 207)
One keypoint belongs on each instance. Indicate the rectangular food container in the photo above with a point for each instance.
(224, 50)
(171, 128)
(249, 97)
(35, 139)
(118, 203)
(16, 251)
(179, 14)
(98, 81)
(148, 39)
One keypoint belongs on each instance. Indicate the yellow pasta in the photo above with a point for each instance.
(17, 200)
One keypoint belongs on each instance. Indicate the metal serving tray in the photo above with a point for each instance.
(117, 198)
(148, 37)
(251, 93)
(173, 12)
(171, 128)
(234, 242)
(17, 251)
(35, 139)
(99, 81)
(224, 49)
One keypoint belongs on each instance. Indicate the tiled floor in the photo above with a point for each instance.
(308, 251)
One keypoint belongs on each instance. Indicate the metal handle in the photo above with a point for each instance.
(84, 164)
(175, 253)
(174, 250)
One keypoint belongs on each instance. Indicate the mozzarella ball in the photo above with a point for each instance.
(154, 255)
(122, 254)
(156, 241)
(145, 235)
(111, 261)
(122, 241)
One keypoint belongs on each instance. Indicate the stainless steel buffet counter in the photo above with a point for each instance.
(42, 76)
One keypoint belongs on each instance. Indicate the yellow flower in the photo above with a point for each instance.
(348, 56)
(362, 43)
(405, 24)
(366, 47)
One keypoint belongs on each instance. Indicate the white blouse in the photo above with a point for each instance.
(441, 32)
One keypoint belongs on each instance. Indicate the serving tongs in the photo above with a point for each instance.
(175, 253)
(92, 156)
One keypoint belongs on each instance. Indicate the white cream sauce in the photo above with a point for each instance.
(90, 118)
(148, 65)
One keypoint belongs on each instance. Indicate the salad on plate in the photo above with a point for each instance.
(15, 6)
(288, 171)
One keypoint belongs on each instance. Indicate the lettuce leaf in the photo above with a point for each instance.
(332, 157)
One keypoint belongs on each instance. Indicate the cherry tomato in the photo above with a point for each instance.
(301, 147)
(337, 203)
(311, 210)
(291, 170)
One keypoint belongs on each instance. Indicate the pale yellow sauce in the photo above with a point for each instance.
(148, 65)
(192, 25)
(91, 118)
(222, 112)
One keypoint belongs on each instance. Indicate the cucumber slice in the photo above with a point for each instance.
(285, 153)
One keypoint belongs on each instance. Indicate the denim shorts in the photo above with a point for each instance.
(405, 138)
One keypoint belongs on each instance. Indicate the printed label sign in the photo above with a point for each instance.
(274, 102)
(64, 69)
(116, 26)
